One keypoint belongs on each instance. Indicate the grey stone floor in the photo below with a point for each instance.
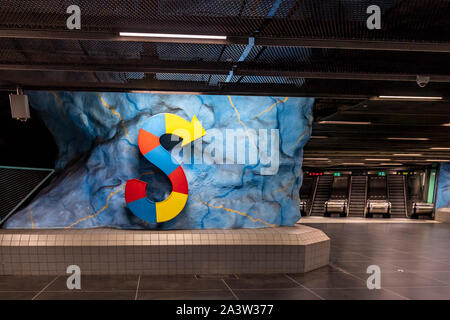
(414, 261)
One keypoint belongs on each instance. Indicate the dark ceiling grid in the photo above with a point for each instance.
(307, 48)
(422, 15)
(340, 143)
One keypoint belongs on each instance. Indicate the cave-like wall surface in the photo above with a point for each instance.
(443, 194)
(96, 134)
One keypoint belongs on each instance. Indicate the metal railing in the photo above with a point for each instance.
(17, 184)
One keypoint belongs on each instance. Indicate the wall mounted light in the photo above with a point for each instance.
(390, 164)
(353, 163)
(345, 122)
(409, 139)
(20, 109)
(410, 98)
(316, 159)
(170, 35)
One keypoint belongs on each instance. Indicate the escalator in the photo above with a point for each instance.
(378, 197)
(338, 201)
(321, 195)
(358, 194)
(396, 189)
(406, 192)
(417, 200)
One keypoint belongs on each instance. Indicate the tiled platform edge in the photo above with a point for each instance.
(295, 249)
(443, 215)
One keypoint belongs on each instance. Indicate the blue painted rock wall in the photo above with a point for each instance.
(443, 194)
(97, 138)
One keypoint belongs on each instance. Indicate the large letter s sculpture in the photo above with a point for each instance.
(150, 147)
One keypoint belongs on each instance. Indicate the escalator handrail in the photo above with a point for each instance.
(365, 196)
(314, 196)
(404, 196)
(347, 210)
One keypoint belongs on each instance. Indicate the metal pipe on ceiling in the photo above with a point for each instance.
(217, 68)
(351, 44)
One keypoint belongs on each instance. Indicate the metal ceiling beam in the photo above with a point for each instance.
(207, 68)
(182, 87)
(381, 45)
(108, 36)
(340, 75)
(220, 69)
(319, 88)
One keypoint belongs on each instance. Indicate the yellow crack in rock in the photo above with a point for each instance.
(235, 211)
(107, 200)
(31, 218)
(304, 132)
(113, 111)
(289, 184)
(58, 101)
(270, 108)
(241, 122)
(99, 211)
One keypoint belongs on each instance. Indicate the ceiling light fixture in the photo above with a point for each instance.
(345, 122)
(413, 98)
(438, 160)
(439, 148)
(445, 124)
(409, 139)
(170, 35)
(390, 164)
(407, 154)
(317, 159)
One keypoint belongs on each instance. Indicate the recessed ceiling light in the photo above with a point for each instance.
(439, 148)
(345, 122)
(419, 98)
(170, 35)
(378, 159)
(438, 160)
(317, 159)
(319, 137)
(390, 164)
(407, 154)
(445, 124)
(409, 139)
